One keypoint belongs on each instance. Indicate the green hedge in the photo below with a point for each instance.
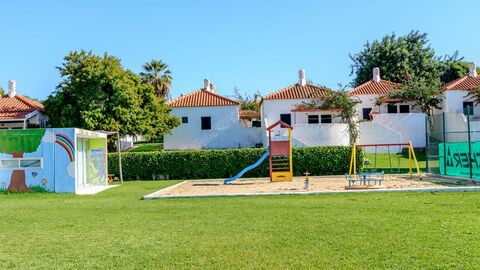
(208, 164)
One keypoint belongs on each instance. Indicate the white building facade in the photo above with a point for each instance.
(209, 121)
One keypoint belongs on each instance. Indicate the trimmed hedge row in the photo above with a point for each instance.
(209, 164)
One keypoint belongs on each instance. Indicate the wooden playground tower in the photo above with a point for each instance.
(281, 168)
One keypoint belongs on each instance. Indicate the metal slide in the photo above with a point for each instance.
(248, 168)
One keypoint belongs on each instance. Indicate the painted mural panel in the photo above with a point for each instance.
(23, 154)
(64, 159)
(97, 162)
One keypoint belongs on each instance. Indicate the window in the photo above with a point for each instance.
(206, 122)
(404, 108)
(286, 118)
(21, 163)
(313, 119)
(468, 108)
(366, 113)
(392, 108)
(184, 120)
(326, 118)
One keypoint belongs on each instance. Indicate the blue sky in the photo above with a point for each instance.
(254, 45)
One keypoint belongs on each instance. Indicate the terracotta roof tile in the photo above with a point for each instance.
(464, 83)
(297, 91)
(202, 98)
(382, 87)
(17, 107)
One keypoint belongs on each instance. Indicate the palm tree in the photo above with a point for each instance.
(157, 75)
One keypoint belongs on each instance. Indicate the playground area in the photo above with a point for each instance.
(317, 184)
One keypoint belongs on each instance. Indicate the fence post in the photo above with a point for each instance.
(444, 145)
(469, 143)
(426, 142)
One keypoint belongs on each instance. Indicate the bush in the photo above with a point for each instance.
(209, 164)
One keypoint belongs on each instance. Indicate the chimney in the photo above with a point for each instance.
(11, 89)
(473, 70)
(376, 74)
(213, 88)
(301, 78)
(206, 84)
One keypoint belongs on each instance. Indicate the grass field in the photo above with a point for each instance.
(115, 229)
(148, 148)
(383, 162)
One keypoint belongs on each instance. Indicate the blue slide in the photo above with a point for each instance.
(248, 168)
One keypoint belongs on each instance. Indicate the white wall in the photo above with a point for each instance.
(226, 130)
(411, 126)
(367, 101)
(322, 134)
(376, 133)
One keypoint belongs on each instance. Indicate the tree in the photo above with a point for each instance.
(400, 58)
(96, 93)
(453, 67)
(2, 92)
(247, 102)
(425, 95)
(345, 104)
(157, 75)
(16, 145)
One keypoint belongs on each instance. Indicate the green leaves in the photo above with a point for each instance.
(97, 93)
(400, 58)
(209, 164)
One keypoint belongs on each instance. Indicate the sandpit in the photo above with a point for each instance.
(318, 184)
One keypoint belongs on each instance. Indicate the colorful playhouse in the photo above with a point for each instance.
(64, 160)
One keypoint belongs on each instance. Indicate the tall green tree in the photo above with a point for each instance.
(247, 102)
(2, 92)
(402, 57)
(453, 67)
(97, 93)
(157, 75)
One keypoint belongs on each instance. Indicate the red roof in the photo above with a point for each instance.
(297, 91)
(201, 98)
(17, 107)
(249, 114)
(316, 110)
(382, 87)
(464, 83)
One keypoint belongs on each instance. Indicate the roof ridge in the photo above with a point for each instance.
(29, 102)
(454, 82)
(219, 96)
(293, 85)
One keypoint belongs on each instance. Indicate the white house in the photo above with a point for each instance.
(458, 102)
(311, 126)
(209, 121)
(19, 112)
(384, 120)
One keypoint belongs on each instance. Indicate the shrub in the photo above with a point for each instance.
(209, 164)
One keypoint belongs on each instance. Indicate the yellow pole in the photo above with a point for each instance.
(354, 159)
(290, 144)
(416, 162)
(410, 158)
(351, 162)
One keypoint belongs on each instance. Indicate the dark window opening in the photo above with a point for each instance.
(468, 108)
(206, 123)
(326, 118)
(392, 108)
(313, 119)
(184, 120)
(366, 113)
(404, 108)
(286, 118)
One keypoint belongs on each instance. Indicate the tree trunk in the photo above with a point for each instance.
(17, 180)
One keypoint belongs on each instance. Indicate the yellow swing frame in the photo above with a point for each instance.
(411, 153)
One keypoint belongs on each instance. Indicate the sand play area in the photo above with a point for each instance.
(318, 184)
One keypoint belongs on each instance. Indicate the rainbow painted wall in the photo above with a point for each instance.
(64, 160)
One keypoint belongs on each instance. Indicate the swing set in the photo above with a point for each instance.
(353, 160)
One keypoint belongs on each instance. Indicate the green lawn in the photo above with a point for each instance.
(148, 148)
(116, 229)
(383, 163)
